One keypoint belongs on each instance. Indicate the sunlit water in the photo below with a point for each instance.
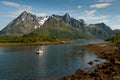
(22, 62)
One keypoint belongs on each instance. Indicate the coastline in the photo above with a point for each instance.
(37, 43)
(109, 70)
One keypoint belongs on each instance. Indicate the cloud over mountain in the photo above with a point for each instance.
(101, 5)
(90, 13)
(13, 4)
(104, 0)
(79, 6)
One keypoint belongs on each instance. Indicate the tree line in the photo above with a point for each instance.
(29, 39)
(115, 40)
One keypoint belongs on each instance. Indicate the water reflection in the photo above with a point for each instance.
(22, 62)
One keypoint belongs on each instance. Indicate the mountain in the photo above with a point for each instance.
(100, 30)
(117, 31)
(56, 26)
(23, 24)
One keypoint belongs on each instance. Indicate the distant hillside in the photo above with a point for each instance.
(56, 26)
(116, 31)
(101, 30)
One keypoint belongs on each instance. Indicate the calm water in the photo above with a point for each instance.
(21, 62)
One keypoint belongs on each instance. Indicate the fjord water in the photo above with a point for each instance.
(21, 62)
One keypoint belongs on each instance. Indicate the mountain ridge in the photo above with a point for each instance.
(23, 24)
(55, 25)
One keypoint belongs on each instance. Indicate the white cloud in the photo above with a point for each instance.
(104, 0)
(104, 20)
(79, 6)
(117, 18)
(90, 13)
(101, 5)
(39, 14)
(60, 12)
(116, 24)
(18, 12)
(13, 4)
(100, 18)
(20, 9)
(115, 27)
(90, 17)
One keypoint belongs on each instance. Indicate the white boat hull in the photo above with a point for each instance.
(39, 52)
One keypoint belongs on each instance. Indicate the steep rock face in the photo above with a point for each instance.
(101, 30)
(66, 18)
(23, 24)
(57, 26)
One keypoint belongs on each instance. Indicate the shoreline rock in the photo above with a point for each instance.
(109, 70)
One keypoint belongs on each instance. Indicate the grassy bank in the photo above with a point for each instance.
(36, 43)
(31, 40)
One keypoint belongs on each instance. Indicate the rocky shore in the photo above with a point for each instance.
(109, 70)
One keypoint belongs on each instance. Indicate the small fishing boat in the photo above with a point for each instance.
(39, 51)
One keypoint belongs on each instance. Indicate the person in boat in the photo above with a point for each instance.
(39, 51)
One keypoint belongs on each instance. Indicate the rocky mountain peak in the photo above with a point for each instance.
(27, 23)
(81, 21)
(24, 13)
(66, 18)
(103, 25)
(67, 15)
(23, 24)
(25, 16)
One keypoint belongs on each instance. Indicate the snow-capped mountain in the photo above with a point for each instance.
(24, 24)
(56, 26)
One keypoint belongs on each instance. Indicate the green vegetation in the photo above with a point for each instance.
(115, 40)
(30, 39)
(58, 28)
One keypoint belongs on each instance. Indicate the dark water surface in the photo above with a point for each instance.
(21, 62)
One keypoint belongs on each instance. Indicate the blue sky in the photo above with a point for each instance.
(92, 11)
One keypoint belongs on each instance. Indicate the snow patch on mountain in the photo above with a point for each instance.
(41, 21)
(23, 18)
